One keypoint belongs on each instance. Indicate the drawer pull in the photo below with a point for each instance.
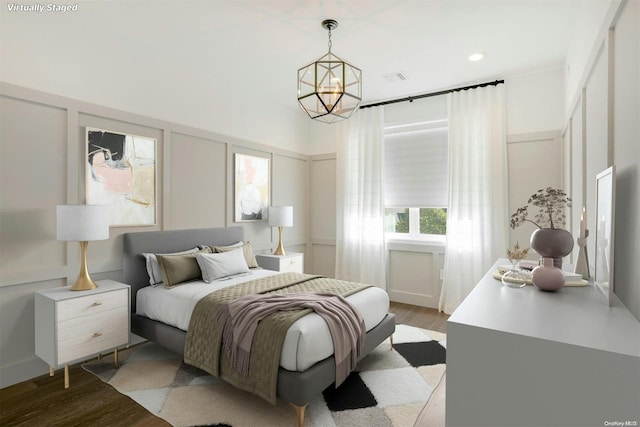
(97, 334)
(95, 304)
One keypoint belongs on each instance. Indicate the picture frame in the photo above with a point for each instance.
(605, 232)
(252, 184)
(120, 172)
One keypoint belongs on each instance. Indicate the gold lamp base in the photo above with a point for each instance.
(83, 282)
(280, 249)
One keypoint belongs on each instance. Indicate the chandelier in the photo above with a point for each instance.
(329, 89)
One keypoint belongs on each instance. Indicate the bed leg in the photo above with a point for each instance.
(391, 341)
(299, 413)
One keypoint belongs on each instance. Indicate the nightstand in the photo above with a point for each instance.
(291, 262)
(75, 325)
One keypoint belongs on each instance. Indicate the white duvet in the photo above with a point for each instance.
(307, 341)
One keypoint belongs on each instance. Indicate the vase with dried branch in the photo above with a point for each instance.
(550, 239)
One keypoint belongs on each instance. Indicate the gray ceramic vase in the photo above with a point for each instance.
(546, 277)
(552, 243)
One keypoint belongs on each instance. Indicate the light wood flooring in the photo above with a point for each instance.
(43, 401)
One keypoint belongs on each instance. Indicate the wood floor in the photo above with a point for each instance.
(43, 401)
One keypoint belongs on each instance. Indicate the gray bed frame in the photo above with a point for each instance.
(297, 388)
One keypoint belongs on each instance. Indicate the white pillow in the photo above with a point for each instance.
(217, 265)
(236, 245)
(153, 268)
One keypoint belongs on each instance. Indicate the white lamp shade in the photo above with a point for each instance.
(80, 223)
(281, 216)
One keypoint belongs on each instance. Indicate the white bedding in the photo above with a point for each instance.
(307, 341)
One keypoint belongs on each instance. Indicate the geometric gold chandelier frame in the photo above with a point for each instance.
(329, 89)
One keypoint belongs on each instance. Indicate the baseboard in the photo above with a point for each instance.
(413, 299)
(22, 371)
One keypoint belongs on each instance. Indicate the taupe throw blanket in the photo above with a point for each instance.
(240, 319)
(204, 336)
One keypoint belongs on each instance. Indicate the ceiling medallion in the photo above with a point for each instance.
(329, 89)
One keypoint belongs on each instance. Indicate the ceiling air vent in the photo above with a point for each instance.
(395, 77)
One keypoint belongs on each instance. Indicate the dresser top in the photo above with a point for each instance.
(573, 315)
(65, 292)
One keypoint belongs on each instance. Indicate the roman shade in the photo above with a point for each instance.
(416, 166)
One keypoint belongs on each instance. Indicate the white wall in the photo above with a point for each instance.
(535, 101)
(603, 117)
(587, 26)
(535, 162)
(42, 139)
(626, 154)
(86, 56)
(322, 137)
(535, 107)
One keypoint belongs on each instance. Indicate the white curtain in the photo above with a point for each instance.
(360, 245)
(477, 215)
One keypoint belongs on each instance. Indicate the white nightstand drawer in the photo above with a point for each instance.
(81, 337)
(292, 264)
(91, 304)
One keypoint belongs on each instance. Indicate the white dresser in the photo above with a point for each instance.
(291, 262)
(74, 325)
(523, 357)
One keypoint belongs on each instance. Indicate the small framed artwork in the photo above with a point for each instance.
(251, 188)
(605, 231)
(121, 173)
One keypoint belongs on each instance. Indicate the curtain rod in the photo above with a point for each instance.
(427, 95)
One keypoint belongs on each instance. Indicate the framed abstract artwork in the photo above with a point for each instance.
(251, 188)
(605, 231)
(121, 173)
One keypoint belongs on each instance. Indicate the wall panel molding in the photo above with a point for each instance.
(533, 154)
(609, 136)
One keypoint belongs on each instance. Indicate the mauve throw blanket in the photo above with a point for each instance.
(240, 319)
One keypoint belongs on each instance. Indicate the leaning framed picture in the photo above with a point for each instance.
(251, 188)
(121, 173)
(605, 231)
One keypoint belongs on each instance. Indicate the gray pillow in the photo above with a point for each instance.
(178, 269)
(222, 264)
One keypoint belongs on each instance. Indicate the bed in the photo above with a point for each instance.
(297, 383)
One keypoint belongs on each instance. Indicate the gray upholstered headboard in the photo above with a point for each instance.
(133, 263)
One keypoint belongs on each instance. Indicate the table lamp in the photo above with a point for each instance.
(280, 216)
(82, 223)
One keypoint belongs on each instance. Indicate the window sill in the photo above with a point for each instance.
(416, 245)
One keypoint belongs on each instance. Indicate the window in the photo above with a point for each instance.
(416, 177)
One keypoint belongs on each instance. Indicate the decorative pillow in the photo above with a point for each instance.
(247, 250)
(217, 265)
(153, 269)
(235, 245)
(177, 269)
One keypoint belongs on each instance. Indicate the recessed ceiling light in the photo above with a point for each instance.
(478, 56)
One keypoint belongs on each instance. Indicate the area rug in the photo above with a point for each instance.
(388, 389)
